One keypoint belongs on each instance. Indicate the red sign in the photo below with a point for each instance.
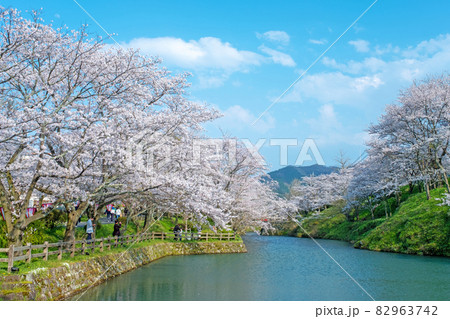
(3, 214)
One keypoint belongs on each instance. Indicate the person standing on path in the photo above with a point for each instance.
(117, 226)
(118, 213)
(90, 228)
(176, 232)
(113, 213)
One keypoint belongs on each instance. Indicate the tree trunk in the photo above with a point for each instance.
(72, 219)
(145, 220)
(444, 175)
(126, 226)
(385, 209)
(15, 237)
(427, 188)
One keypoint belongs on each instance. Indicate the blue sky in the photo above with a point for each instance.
(244, 54)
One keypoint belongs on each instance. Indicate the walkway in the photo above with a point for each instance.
(102, 220)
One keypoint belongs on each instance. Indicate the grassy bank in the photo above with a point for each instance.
(53, 262)
(416, 226)
(41, 232)
(55, 280)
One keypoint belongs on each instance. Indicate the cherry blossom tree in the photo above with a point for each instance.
(314, 193)
(70, 108)
(83, 122)
(417, 130)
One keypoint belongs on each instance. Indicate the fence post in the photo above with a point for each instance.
(60, 250)
(46, 250)
(101, 245)
(220, 236)
(153, 235)
(162, 235)
(206, 236)
(229, 236)
(234, 236)
(117, 239)
(83, 247)
(72, 254)
(10, 257)
(29, 253)
(109, 243)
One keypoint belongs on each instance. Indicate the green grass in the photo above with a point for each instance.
(333, 224)
(39, 234)
(53, 261)
(417, 226)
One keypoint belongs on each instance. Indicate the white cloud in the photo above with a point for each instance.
(238, 118)
(206, 53)
(210, 59)
(275, 36)
(328, 130)
(380, 50)
(327, 119)
(209, 80)
(371, 65)
(278, 57)
(428, 48)
(372, 82)
(315, 41)
(360, 45)
(335, 87)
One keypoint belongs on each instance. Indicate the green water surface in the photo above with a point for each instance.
(283, 268)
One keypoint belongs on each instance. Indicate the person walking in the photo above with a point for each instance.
(113, 213)
(118, 213)
(117, 226)
(176, 231)
(90, 229)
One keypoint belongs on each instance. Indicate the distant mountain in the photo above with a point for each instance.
(284, 176)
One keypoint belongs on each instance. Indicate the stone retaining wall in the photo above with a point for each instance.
(72, 278)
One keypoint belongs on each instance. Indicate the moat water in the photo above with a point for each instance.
(283, 268)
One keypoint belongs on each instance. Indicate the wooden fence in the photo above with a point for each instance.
(81, 247)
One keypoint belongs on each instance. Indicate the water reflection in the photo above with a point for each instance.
(282, 268)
